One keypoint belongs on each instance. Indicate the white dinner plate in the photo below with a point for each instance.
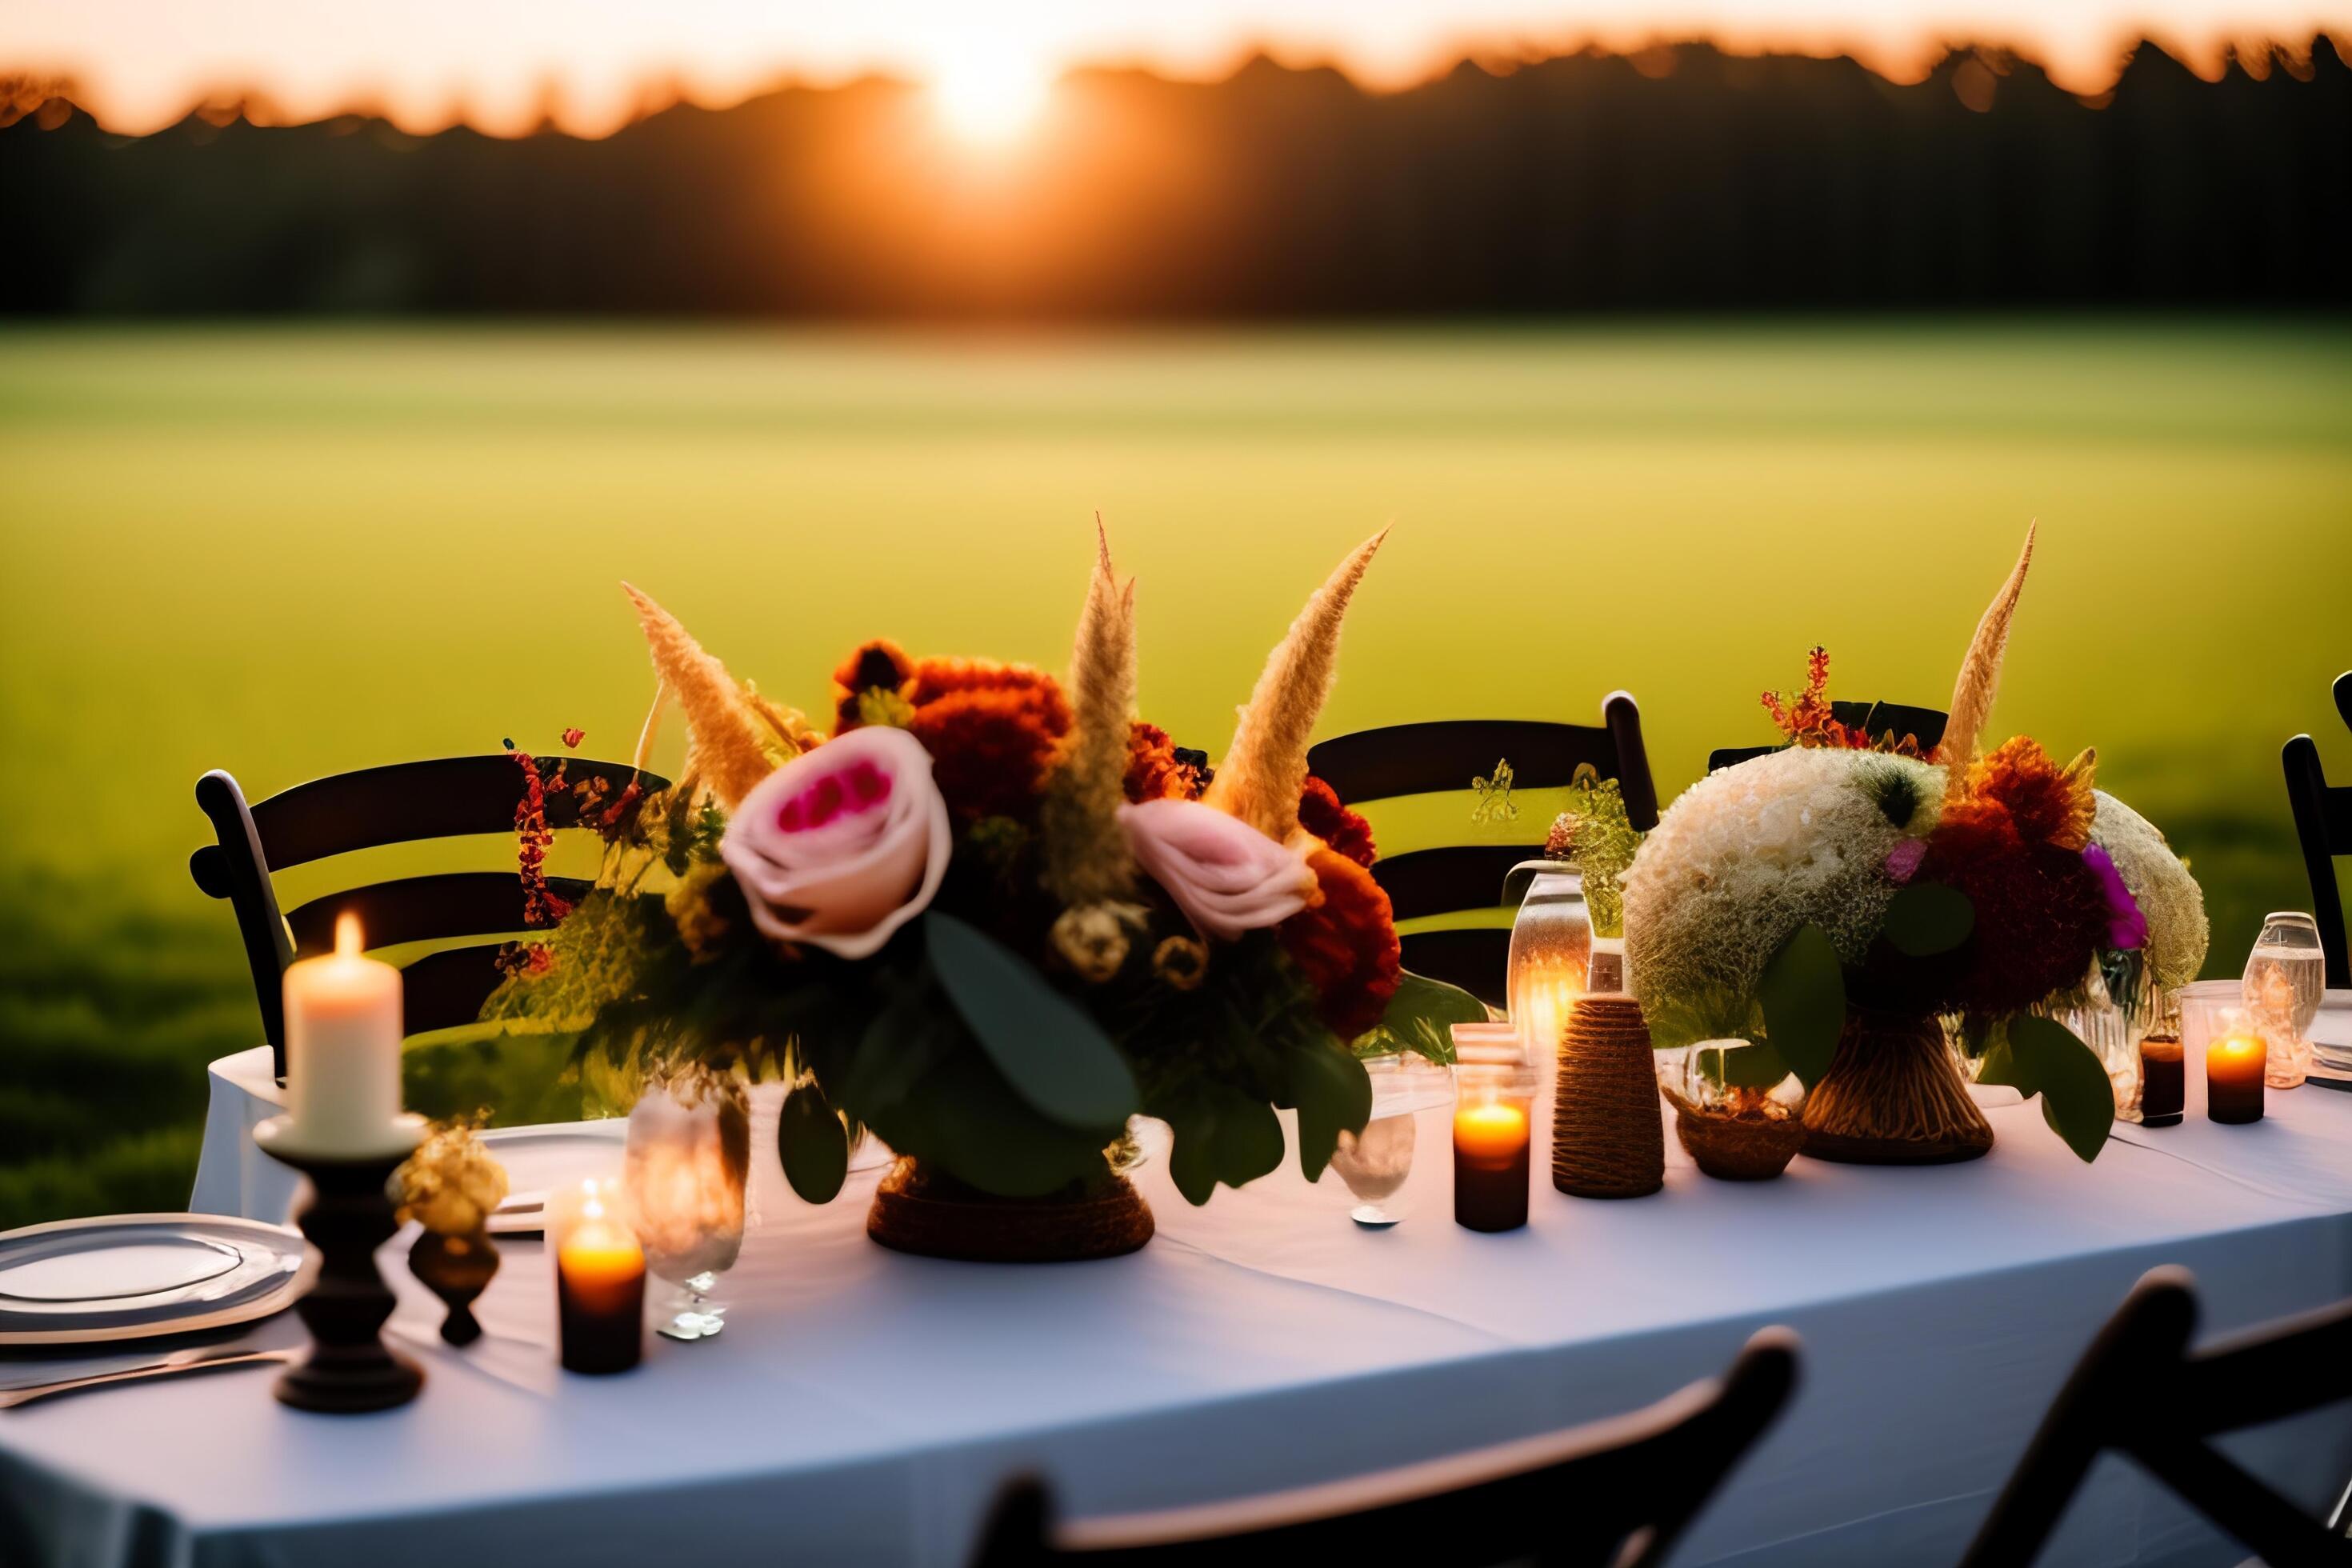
(538, 1160)
(121, 1277)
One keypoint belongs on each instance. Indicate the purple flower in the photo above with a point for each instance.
(1903, 860)
(2126, 927)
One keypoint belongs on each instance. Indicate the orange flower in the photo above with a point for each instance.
(992, 730)
(1346, 944)
(877, 665)
(1155, 771)
(2048, 804)
(1321, 812)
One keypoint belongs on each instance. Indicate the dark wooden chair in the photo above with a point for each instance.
(2323, 823)
(2141, 1392)
(401, 804)
(1873, 718)
(1617, 1492)
(1446, 754)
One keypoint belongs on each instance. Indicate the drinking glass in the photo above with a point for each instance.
(689, 1155)
(1551, 954)
(2286, 976)
(1374, 1165)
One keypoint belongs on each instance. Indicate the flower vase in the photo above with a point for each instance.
(457, 1269)
(1893, 1096)
(921, 1209)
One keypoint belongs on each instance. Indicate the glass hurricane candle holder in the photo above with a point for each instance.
(1551, 953)
(2286, 973)
(2236, 1065)
(690, 1146)
(600, 1277)
(1375, 1164)
(1494, 1110)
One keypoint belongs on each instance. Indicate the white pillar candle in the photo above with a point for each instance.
(342, 1050)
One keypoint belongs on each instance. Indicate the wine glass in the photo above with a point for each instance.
(1375, 1163)
(2285, 975)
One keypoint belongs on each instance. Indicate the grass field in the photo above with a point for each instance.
(292, 552)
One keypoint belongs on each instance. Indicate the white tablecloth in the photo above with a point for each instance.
(862, 1406)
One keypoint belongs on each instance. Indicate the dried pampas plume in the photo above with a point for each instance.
(727, 749)
(1980, 678)
(1267, 766)
(1086, 857)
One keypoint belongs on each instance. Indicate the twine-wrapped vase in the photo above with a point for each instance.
(922, 1210)
(1607, 1135)
(1893, 1096)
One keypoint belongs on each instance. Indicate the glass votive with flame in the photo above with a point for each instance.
(2234, 1065)
(1551, 953)
(1493, 1115)
(600, 1277)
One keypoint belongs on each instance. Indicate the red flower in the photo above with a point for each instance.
(1321, 812)
(573, 736)
(2040, 912)
(2049, 805)
(1346, 944)
(992, 730)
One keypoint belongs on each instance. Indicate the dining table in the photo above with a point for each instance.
(863, 1407)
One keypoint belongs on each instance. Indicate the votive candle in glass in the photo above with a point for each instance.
(599, 1278)
(2163, 1080)
(1493, 1109)
(2234, 1065)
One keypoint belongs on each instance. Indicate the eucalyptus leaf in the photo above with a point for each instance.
(812, 1144)
(1191, 1158)
(2078, 1101)
(1803, 997)
(1051, 1052)
(1421, 1018)
(972, 1124)
(1758, 1066)
(1248, 1137)
(1333, 1094)
(1929, 918)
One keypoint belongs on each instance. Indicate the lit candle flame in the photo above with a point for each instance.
(348, 942)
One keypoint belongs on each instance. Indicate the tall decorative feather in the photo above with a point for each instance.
(1979, 678)
(1266, 765)
(726, 734)
(1086, 857)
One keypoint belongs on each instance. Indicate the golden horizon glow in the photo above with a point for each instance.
(590, 67)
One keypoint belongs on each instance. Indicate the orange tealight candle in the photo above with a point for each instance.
(1490, 1147)
(2233, 1076)
(600, 1287)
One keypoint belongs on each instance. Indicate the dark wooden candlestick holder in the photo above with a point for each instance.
(348, 1216)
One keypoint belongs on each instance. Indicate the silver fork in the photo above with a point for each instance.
(187, 1361)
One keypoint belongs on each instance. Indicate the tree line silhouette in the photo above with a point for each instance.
(1679, 178)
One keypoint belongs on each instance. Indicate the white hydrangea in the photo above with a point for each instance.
(1749, 854)
(2159, 882)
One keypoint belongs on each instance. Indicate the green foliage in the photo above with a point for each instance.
(1605, 844)
(600, 953)
(1803, 999)
(1222, 1134)
(1421, 1018)
(1049, 1049)
(1715, 1012)
(1333, 1094)
(2040, 1057)
(1928, 918)
(812, 1144)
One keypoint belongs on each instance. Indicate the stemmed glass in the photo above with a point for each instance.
(2286, 974)
(1374, 1165)
(689, 1156)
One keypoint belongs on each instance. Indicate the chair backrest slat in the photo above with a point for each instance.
(2323, 828)
(1476, 958)
(423, 908)
(1621, 1490)
(1442, 882)
(2138, 1391)
(405, 803)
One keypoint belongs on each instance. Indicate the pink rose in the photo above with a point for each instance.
(1224, 874)
(843, 845)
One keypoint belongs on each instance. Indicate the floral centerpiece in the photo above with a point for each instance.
(989, 916)
(1851, 898)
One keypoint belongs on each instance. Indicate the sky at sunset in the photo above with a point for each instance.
(140, 64)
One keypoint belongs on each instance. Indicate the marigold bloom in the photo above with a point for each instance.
(2041, 912)
(993, 732)
(1158, 769)
(877, 665)
(1322, 814)
(2050, 805)
(1346, 944)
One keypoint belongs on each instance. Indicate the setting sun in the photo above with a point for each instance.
(991, 99)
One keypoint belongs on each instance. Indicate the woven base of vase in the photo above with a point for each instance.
(1608, 1140)
(1731, 1147)
(935, 1215)
(1893, 1097)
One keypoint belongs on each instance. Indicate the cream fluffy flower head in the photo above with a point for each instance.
(2159, 882)
(1749, 854)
